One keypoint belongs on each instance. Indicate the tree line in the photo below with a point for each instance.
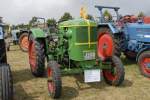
(50, 21)
(66, 16)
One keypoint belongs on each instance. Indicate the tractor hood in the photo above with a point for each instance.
(77, 23)
(138, 31)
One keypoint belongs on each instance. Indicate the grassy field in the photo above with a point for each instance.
(27, 87)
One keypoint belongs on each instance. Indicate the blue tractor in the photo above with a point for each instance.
(19, 37)
(137, 44)
(108, 44)
(133, 38)
(109, 25)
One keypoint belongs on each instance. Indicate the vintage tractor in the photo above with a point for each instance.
(19, 37)
(75, 47)
(6, 83)
(132, 36)
(110, 26)
(137, 44)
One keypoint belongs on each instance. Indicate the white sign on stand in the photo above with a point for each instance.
(93, 75)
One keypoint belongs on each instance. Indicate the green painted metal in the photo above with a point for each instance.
(85, 65)
(67, 71)
(77, 23)
(82, 37)
(38, 33)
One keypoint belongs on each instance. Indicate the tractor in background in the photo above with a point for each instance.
(6, 82)
(132, 36)
(110, 26)
(75, 47)
(136, 38)
(19, 37)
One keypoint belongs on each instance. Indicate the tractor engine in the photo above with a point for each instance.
(132, 45)
(52, 41)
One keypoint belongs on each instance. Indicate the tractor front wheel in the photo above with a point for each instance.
(36, 56)
(23, 42)
(54, 79)
(115, 75)
(144, 63)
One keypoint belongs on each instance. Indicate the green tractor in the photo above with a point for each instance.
(75, 47)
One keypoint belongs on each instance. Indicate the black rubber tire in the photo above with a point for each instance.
(3, 56)
(20, 37)
(117, 47)
(55, 78)
(119, 75)
(6, 83)
(40, 57)
(143, 55)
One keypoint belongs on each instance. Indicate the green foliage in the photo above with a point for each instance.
(51, 22)
(90, 17)
(32, 21)
(65, 17)
(141, 14)
(107, 14)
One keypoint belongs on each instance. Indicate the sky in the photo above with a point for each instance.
(21, 11)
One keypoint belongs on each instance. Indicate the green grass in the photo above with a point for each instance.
(27, 87)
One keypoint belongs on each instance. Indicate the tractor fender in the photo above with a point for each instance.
(141, 51)
(110, 26)
(23, 31)
(37, 33)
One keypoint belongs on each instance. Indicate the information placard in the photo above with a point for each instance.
(93, 75)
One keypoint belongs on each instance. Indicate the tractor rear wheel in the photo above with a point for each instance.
(116, 43)
(6, 83)
(115, 75)
(54, 79)
(105, 46)
(144, 63)
(23, 42)
(36, 56)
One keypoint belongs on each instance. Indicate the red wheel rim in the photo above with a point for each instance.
(24, 43)
(110, 75)
(145, 65)
(51, 85)
(32, 55)
(105, 46)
